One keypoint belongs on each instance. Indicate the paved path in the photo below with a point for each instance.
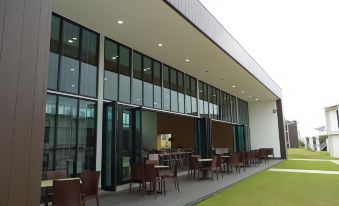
(305, 171)
(316, 160)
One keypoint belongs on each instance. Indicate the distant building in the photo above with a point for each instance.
(312, 143)
(332, 125)
(292, 134)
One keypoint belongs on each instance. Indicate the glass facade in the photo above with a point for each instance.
(70, 134)
(129, 77)
(73, 58)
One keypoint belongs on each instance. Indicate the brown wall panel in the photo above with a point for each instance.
(222, 135)
(181, 127)
(9, 66)
(281, 128)
(2, 18)
(23, 74)
(39, 106)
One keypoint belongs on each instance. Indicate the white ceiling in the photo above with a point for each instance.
(149, 22)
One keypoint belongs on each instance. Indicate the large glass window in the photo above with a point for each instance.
(166, 84)
(157, 84)
(70, 134)
(174, 88)
(181, 91)
(66, 134)
(188, 102)
(194, 96)
(124, 75)
(69, 75)
(111, 71)
(70, 41)
(234, 109)
(86, 135)
(77, 71)
(137, 79)
(148, 82)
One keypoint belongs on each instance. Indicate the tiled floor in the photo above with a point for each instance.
(191, 190)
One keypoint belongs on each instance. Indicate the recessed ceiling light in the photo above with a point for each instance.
(74, 38)
(105, 78)
(187, 60)
(243, 91)
(120, 22)
(233, 86)
(160, 44)
(200, 91)
(214, 95)
(256, 99)
(73, 85)
(70, 41)
(72, 69)
(114, 58)
(250, 96)
(155, 103)
(138, 99)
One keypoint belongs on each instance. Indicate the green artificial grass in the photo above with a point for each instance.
(280, 189)
(302, 153)
(308, 165)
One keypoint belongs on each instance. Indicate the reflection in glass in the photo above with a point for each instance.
(137, 92)
(70, 42)
(53, 71)
(148, 94)
(157, 97)
(124, 89)
(181, 101)
(86, 136)
(174, 101)
(66, 134)
(167, 105)
(50, 119)
(88, 82)
(89, 47)
(55, 34)
(111, 56)
(69, 75)
(110, 85)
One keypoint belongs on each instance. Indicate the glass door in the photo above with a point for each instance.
(121, 143)
(203, 140)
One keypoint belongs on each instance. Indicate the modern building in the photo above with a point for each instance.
(86, 84)
(292, 134)
(332, 125)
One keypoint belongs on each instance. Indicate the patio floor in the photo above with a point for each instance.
(191, 190)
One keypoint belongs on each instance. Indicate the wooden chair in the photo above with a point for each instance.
(174, 175)
(137, 176)
(89, 186)
(152, 162)
(270, 152)
(53, 175)
(263, 155)
(241, 156)
(66, 192)
(216, 166)
(234, 161)
(151, 176)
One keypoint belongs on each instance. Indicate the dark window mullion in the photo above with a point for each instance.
(80, 59)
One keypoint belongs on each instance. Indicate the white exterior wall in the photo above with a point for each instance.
(332, 131)
(264, 126)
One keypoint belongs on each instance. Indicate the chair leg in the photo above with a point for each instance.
(175, 184)
(130, 187)
(97, 197)
(176, 179)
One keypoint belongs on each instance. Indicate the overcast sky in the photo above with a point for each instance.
(297, 43)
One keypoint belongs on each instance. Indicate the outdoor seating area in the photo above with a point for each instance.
(191, 190)
(63, 191)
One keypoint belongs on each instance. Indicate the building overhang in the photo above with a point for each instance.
(150, 22)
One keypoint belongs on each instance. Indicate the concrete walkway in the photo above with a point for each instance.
(305, 171)
(316, 160)
(191, 190)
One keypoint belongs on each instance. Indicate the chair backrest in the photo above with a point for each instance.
(153, 157)
(269, 151)
(152, 162)
(58, 174)
(90, 182)
(66, 192)
(234, 159)
(262, 152)
(214, 162)
(150, 173)
(137, 172)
